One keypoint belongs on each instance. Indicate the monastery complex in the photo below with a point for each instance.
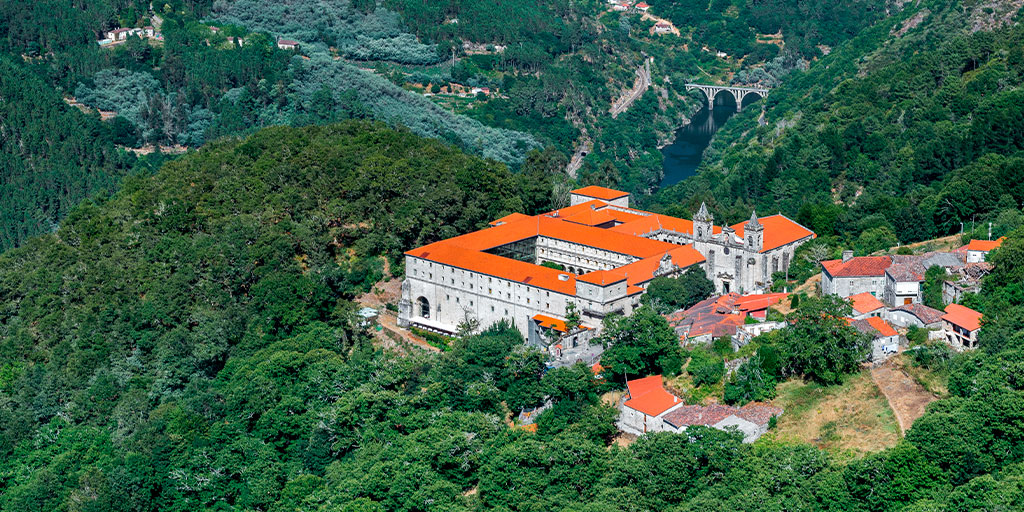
(608, 253)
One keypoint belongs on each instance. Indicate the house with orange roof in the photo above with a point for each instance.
(960, 325)
(866, 305)
(647, 401)
(977, 250)
(724, 315)
(649, 407)
(597, 255)
(885, 341)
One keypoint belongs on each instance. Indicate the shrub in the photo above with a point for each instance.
(706, 367)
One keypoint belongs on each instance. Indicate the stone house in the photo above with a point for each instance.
(960, 326)
(854, 275)
(885, 341)
(866, 305)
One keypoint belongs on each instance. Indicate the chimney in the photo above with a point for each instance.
(847, 256)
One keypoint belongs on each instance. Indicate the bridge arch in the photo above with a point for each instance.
(711, 91)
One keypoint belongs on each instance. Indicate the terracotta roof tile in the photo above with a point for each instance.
(648, 395)
(963, 316)
(863, 266)
(924, 313)
(865, 303)
(602, 193)
(985, 245)
(779, 230)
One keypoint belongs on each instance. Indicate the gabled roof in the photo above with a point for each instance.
(605, 194)
(963, 316)
(874, 326)
(779, 230)
(862, 266)
(648, 395)
(923, 313)
(865, 303)
(985, 245)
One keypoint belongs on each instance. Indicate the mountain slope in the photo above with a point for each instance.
(908, 130)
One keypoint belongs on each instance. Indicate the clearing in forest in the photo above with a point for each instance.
(851, 419)
(906, 397)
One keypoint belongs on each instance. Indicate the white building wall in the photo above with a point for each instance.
(454, 293)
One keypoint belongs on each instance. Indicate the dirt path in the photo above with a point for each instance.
(906, 397)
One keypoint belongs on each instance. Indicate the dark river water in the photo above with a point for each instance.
(683, 156)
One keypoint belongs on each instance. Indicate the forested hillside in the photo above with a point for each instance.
(901, 135)
(51, 156)
(221, 368)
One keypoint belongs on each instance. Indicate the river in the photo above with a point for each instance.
(683, 156)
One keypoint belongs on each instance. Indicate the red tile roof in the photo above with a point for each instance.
(923, 313)
(779, 230)
(985, 245)
(963, 316)
(865, 303)
(721, 316)
(863, 266)
(550, 322)
(882, 326)
(603, 193)
(648, 395)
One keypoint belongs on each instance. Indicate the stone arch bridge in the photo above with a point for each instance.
(737, 92)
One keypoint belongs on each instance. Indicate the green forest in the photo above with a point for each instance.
(223, 368)
(180, 333)
(890, 139)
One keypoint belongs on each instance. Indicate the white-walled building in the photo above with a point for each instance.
(977, 250)
(607, 254)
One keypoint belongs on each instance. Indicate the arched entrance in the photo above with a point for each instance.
(423, 307)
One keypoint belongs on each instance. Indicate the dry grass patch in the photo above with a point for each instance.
(935, 382)
(849, 419)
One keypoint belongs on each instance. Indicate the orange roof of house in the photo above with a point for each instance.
(858, 267)
(985, 245)
(882, 326)
(648, 395)
(865, 303)
(963, 316)
(779, 230)
(603, 193)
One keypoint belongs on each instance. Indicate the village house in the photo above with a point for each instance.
(721, 316)
(885, 341)
(977, 250)
(662, 28)
(620, 6)
(964, 280)
(287, 44)
(649, 407)
(646, 402)
(751, 420)
(916, 315)
(642, 7)
(895, 279)
(866, 305)
(600, 255)
(851, 276)
(960, 325)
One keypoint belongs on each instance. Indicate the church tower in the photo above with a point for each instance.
(703, 223)
(754, 233)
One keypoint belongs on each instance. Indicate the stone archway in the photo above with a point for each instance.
(423, 307)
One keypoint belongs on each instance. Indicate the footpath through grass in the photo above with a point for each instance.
(848, 419)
